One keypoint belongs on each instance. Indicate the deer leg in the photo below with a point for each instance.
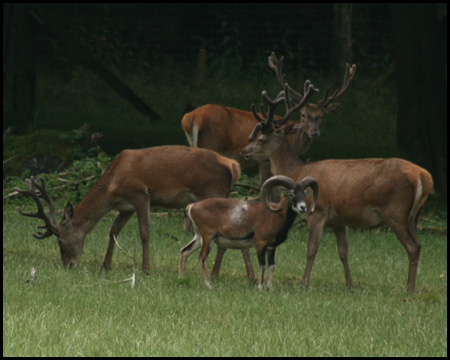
(413, 255)
(341, 233)
(315, 234)
(118, 224)
(142, 206)
(406, 232)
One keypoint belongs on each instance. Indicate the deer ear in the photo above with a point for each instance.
(284, 130)
(68, 213)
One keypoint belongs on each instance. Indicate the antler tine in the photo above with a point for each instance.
(256, 115)
(264, 125)
(255, 131)
(272, 104)
(309, 90)
(262, 110)
(276, 66)
(49, 222)
(350, 72)
(46, 197)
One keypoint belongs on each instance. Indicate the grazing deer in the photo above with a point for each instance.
(166, 176)
(361, 193)
(237, 224)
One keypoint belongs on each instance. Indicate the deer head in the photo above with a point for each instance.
(69, 242)
(312, 114)
(266, 122)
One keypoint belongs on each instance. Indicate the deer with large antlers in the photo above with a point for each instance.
(225, 129)
(312, 114)
(361, 193)
(166, 176)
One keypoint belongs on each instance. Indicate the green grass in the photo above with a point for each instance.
(82, 312)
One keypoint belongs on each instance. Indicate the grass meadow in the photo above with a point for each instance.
(85, 312)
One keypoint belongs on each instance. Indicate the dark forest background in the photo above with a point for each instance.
(130, 71)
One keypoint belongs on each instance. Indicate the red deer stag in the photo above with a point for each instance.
(361, 193)
(166, 176)
(225, 130)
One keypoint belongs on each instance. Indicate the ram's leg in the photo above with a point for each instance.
(185, 252)
(271, 261)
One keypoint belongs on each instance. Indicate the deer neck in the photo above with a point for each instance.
(284, 161)
(300, 142)
(92, 208)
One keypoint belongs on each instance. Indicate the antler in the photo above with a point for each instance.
(308, 91)
(276, 66)
(348, 77)
(266, 125)
(49, 220)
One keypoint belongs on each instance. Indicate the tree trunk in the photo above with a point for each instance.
(422, 89)
(25, 68)
(342, 42)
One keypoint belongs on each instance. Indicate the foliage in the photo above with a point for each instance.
(46, 150)
(69, 185)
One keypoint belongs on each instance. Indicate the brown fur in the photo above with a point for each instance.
(243, 224)
(226, 130)
(165, 176)
(360, 193)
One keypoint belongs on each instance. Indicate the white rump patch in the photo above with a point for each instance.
(193, 137)
(417, 202)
